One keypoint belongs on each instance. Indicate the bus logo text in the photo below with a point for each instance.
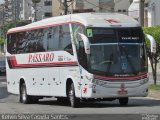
(39, 57)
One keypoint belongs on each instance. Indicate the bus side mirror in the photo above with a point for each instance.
(153, 43)
(86, 43)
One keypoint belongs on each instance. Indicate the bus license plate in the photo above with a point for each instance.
(122, 92)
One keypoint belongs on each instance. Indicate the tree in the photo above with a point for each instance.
(9, 25)
(154, 58)
(13, 24)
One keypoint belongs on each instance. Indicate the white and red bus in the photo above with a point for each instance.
(98, 56)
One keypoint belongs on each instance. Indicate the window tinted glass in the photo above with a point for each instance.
(102, 35)
(56, 38)
(130, 35)
(82, 58)
(115, 35)
(64, 38)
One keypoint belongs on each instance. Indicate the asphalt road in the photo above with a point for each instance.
(137, 108)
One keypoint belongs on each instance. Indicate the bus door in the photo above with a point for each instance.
(82, 58)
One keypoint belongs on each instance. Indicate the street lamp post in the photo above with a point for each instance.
(141, 12)
(35, 8)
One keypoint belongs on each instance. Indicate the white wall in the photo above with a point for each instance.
(153, 13)
(121, 5)
(26, 13)
(133, 9)
(41, 9)
(93, 5)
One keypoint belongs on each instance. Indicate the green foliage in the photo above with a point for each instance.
(2, 40)
(9, 25)
(155, 87)
(13, 24)
(153, 31)
(154, 58)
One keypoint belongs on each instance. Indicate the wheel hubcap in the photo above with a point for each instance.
(23, 94)
(71, 96)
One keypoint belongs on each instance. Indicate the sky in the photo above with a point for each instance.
(1, 1)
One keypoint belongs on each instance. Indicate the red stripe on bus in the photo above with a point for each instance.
(121, 78)
(15, 64)
(46, 26)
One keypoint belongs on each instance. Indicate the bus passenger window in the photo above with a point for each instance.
(69, 49)
(65, 39)
(82, 57)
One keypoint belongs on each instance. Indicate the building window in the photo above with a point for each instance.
(124, 11)
(47, 3)
(119, 10)
(47, 14)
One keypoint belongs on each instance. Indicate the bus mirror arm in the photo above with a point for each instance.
(153, 43)
(86, 43)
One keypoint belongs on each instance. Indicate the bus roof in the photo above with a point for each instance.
(86, 19)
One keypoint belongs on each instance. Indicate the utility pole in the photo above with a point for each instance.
(141, 12)
(35, 8)
(65, 3)
(65, 7)
(35, 11)
(15, 12)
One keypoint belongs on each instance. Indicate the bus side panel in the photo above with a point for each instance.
(22, 74)
(37, 81)
(54, 81)
(73, 74)
(12, 81)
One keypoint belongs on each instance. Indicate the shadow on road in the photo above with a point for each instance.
(133, 102)
(138, 102)
(3, 93)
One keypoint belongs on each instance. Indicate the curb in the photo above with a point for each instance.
(154, 95)
(152, 98)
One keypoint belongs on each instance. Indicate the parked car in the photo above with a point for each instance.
(2, 66)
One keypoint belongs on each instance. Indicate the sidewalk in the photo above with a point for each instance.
(154, 94)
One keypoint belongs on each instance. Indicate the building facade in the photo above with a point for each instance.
(1, 14)
(25, 11)
(151, 15)
(122, 6)
(36, 11)
(76, 6)
(11, 10)
(153, 12)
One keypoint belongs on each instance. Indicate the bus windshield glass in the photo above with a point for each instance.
(118, 51)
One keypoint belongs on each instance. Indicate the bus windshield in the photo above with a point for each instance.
(117, 52)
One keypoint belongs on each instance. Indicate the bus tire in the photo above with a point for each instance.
(74, 102)
(123, 101)
(24, 98)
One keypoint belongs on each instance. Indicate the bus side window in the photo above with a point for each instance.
(12, 45)
(65, 39)
(82, 57)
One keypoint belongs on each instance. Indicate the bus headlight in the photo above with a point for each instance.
(90, 78)
(144, 81)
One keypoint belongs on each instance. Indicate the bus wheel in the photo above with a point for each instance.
(24, 98)
(72, 98)
(123, 101)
